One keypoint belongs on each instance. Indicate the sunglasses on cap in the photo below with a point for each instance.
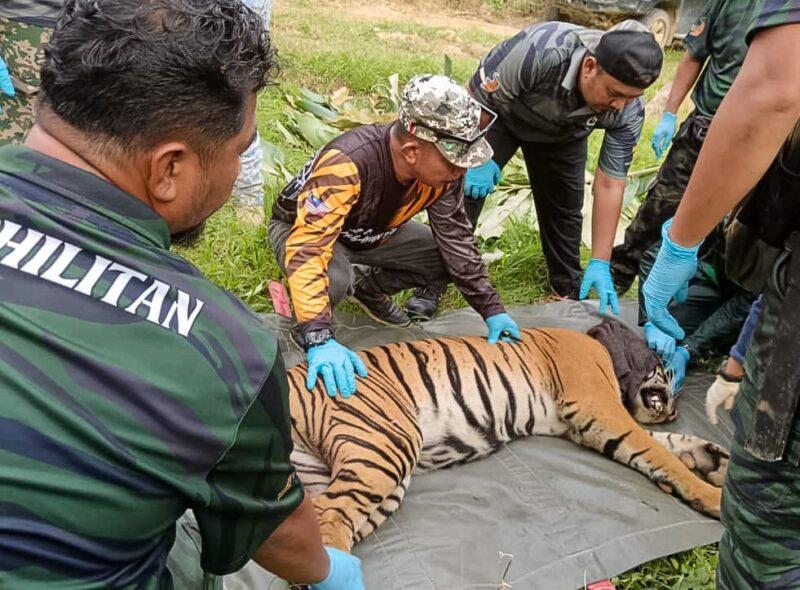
(451, 141)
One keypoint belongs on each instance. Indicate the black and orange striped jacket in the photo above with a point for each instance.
(348, 192)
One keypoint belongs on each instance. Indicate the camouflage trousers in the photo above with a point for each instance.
(760, 548)
(661, 202)
(21, 46)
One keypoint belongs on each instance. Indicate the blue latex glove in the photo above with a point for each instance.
(338, 366)
(6, 85)
(662, 343)
(678, 363)
(669, 278)
(345, 572)
(481, 181)
(502, 327)
(598, 276)
(664, 133)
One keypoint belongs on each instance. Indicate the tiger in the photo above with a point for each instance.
(431, 404)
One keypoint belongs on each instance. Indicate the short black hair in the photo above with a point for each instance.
(137, 72)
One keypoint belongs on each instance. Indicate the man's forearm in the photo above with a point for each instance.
(722, 326)
(294, 550)
(608, 193)
(746, 133)
(689, 70)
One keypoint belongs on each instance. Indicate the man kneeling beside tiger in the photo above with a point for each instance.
(434, 403)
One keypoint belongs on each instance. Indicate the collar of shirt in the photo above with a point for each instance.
(576, 105)
(87, 190)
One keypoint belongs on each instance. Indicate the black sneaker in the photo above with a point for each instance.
(422, 306)
(379, 306)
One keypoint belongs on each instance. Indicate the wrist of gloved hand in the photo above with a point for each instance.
(684, 353)
(678, 363)
(6, 85)
(597, 276)
(721, 392)
(662, 343)
(664, 132)
(338, 366)
(502, 327)
(676, 250)
(480, 182)
(669, 278)
(344, 573)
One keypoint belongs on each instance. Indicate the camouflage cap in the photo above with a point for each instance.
(435, 108)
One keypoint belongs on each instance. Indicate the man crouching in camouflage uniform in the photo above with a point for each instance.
(25, 26)
(352, 205)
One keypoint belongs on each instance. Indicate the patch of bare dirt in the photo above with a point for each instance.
(450, 42)
(432, 14)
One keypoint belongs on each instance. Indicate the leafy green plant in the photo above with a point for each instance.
(691, 570)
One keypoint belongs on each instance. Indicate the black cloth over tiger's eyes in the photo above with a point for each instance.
(633, 360)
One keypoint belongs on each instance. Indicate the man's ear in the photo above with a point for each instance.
(411, 151)
(169, 164)
(589, 66)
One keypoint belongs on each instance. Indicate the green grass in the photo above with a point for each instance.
(322, 48)
(690, 570)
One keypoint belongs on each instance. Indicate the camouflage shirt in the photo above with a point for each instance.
(133, 389)
(41, 12)
(773, 13)
(718, 36)
(531, 81)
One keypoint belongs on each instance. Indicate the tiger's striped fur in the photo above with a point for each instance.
(434, 403)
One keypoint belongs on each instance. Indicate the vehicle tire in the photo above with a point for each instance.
(659, 22)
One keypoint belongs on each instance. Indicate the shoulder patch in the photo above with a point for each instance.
(491, 84)
(286, 488)
(316, 206)
(698, 28)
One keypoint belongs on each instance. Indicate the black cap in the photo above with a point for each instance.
(632, 57)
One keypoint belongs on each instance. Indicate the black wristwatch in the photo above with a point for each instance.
(317, 337)
(728, 377)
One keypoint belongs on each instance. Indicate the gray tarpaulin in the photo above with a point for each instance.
(567, 515)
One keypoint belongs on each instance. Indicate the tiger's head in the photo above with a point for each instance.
(655, 400)
(645, 385)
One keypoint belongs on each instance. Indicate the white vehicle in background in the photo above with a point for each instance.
(667, 19)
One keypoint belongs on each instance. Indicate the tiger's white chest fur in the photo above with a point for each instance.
(489, 409)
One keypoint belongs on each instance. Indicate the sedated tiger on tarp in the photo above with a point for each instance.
(434, 403)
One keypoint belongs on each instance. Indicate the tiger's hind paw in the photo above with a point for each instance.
(707, 460)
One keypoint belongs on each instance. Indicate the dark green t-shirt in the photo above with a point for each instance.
(132, 390)
(773, 13)
(718, 37)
